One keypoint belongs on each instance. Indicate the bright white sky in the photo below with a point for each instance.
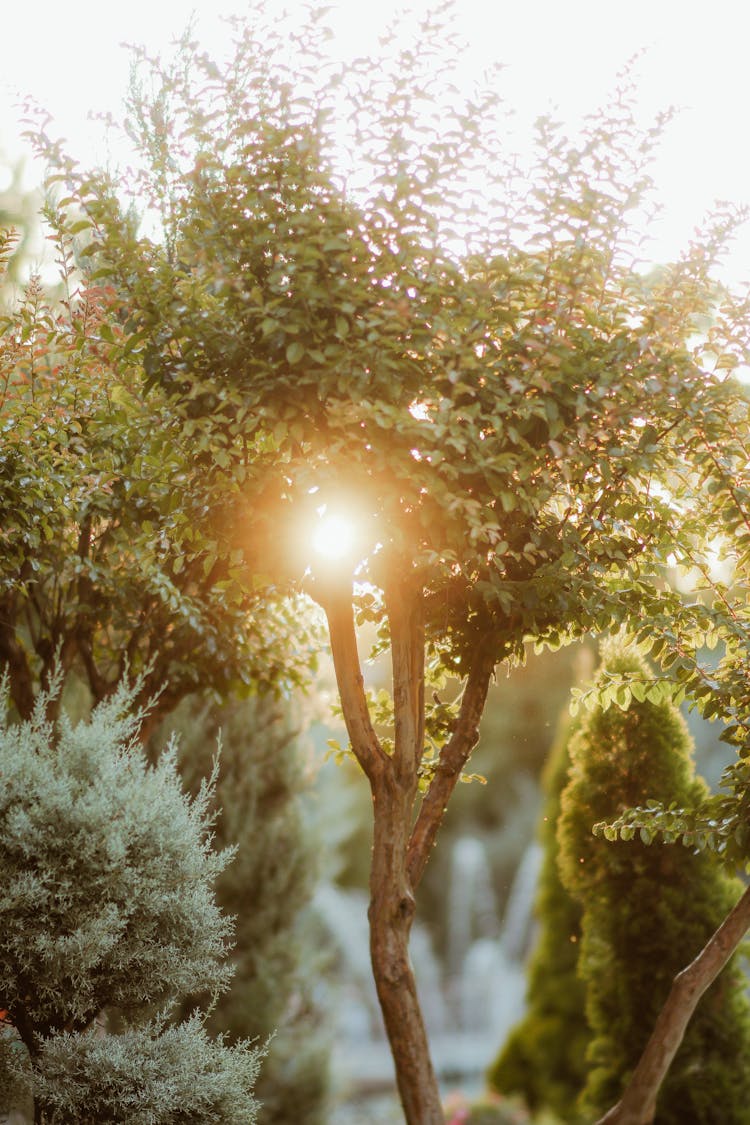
(557, 54)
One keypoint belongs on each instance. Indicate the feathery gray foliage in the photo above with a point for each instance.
(108, 872)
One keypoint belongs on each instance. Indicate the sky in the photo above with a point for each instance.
(556, 56)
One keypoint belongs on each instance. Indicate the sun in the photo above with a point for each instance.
(334, 536)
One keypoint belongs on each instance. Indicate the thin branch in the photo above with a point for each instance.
(365, 743)
(404, 606)
(638, 1104)
(453, 757)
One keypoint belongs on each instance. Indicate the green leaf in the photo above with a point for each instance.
(638, 690)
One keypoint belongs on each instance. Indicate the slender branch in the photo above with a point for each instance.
(365, 743)
(404, 605)
(638, 1104)
(97, 682)
(453, 757)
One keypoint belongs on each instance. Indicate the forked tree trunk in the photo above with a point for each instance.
(404, 827)
(638, 1104)
(391, 914)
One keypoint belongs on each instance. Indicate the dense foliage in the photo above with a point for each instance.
(109, 905)
(472, 385)
(145, 1075)
(647, 911)
(100, 493)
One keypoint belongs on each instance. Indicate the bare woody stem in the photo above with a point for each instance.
(393, 781)
(404, 608)
(365, 743)
(638, 1104)
(453, 757)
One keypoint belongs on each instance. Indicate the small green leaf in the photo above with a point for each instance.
(638, 690)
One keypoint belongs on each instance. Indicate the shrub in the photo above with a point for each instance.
(144, 1076)
(108, 906)
(647, 910)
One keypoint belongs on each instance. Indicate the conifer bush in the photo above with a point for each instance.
(109, 913)
(648, 910)
(144, 1076)
(543, 1058)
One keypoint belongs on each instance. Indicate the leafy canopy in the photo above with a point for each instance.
(479, 372)
(102, 501)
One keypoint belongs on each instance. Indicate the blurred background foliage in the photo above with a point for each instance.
(19, 212)
(264, 810)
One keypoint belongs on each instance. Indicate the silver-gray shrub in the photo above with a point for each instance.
(147, 1076)
(108, 906)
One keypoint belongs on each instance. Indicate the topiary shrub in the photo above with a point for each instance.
(543, 1058)
(170, 1075)
(647, 910)
(108, 907)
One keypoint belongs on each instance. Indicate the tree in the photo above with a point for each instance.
(101, 492)
(646, 908)
(683, 632)
(485, 381)
(705, 610)
(108, 907)
(544, 1057)
(262, 812)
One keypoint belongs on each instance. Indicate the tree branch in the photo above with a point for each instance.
(453, 757)
(365, 743)
(638, 1104)
(404, 606)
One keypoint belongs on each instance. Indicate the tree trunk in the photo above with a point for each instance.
(638, 1104)
(404, 830)
(391, 914)
(394, 783)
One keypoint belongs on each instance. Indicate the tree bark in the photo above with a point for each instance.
(453, 757)
(391, 914)
(394, 786)
(15, 659)
(638, 1104)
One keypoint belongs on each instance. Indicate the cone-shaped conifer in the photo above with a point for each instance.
(648, 910)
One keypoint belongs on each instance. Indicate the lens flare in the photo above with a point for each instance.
(334, 537)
